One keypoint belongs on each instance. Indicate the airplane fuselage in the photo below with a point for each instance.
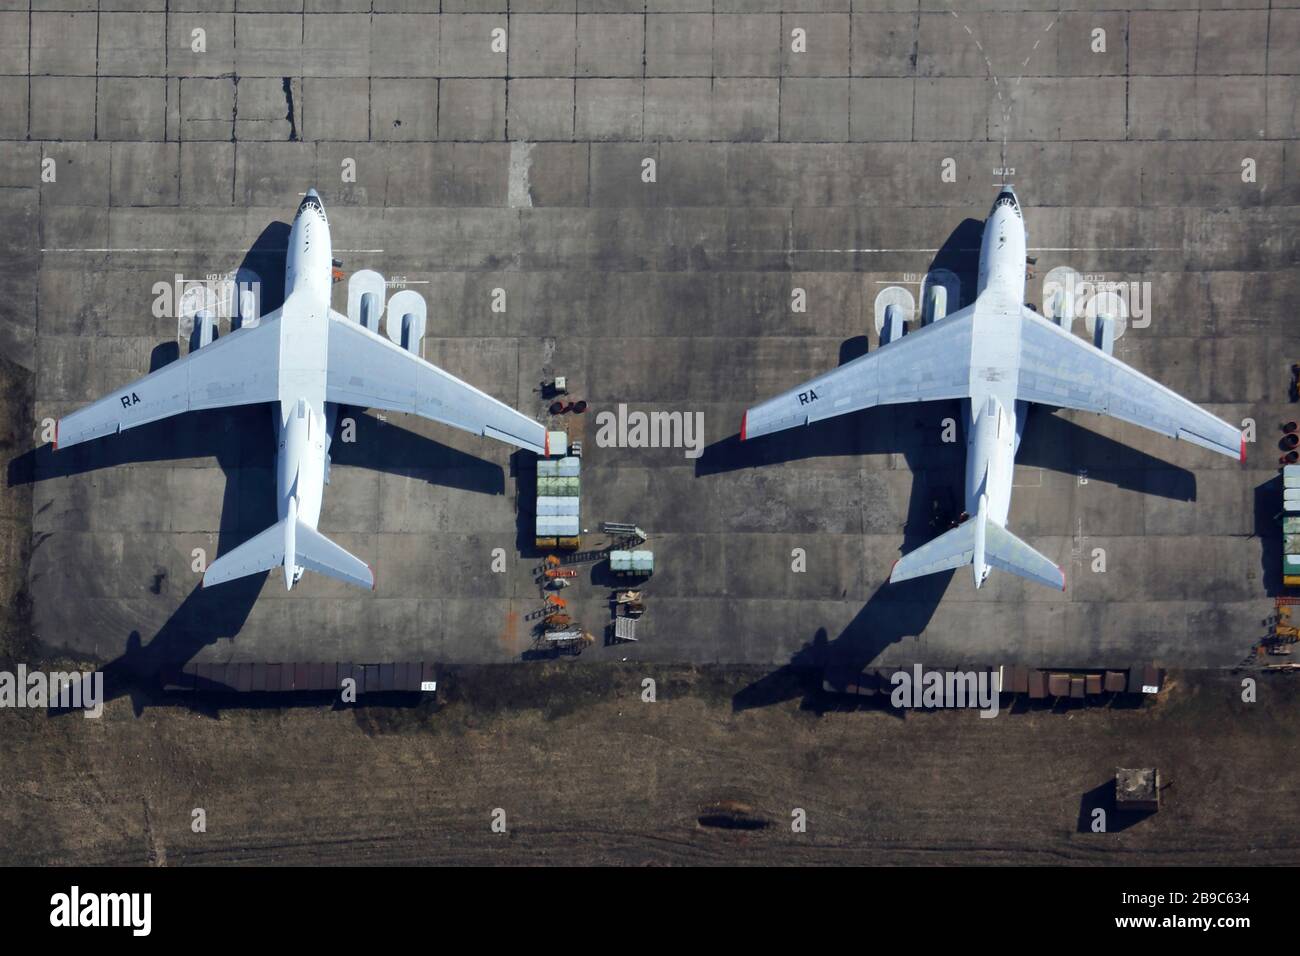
(304, 421)
(995, 420)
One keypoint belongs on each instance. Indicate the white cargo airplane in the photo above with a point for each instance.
(1001, 355)
(308, 360)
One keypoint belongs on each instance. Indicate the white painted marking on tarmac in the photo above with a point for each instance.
(859, 250)
(133, 250)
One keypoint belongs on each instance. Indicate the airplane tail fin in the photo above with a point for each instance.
(983, 544)
(305, 547)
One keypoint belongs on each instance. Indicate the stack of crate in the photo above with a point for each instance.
(558, 493)
(1291, 526)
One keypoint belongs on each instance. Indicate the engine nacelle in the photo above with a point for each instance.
(206, 325)
(1059, 287)
(406, 317)
(1104, 334)
(940, 294)
(1060, 308)
(246, 299)
(366, 293)
(936, 302)
(894, 325)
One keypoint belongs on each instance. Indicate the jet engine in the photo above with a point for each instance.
(366, 293)
(406, 315)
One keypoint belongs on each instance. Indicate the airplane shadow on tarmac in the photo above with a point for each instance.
(242, 441)
(897, 611)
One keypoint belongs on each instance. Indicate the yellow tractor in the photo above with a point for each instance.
(1285, 633)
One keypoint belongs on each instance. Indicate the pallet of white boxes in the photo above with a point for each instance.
(558, 495)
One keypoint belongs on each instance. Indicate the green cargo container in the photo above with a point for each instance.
(557, 487)
(1291, 564)
(1291, 525)
(637, 563)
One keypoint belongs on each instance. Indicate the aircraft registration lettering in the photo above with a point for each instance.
(808, 397)
(129, 400)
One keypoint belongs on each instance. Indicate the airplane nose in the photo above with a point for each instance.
(311, 199)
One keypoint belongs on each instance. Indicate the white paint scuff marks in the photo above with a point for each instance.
(521, 166)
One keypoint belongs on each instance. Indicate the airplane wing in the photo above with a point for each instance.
(241, 368)
(369, 371)
(1061, 369)
(930, 364)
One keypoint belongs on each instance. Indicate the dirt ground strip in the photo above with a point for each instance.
(585, 771)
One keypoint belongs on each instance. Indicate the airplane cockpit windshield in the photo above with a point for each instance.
(311, 202)
(1005, 199)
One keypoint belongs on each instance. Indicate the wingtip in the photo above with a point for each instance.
(1062, 570)
(1243, 448)
(744, 425)
(373, 583)
(546, 444)
(56, 433)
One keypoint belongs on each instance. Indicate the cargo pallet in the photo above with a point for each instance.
(1291, 526)
(558, 504)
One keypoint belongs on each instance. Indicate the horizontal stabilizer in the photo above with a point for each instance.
(956, 548)
(318, 553)
(1004, 551)
(259, 553)
(952, 549)
(313, 551)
